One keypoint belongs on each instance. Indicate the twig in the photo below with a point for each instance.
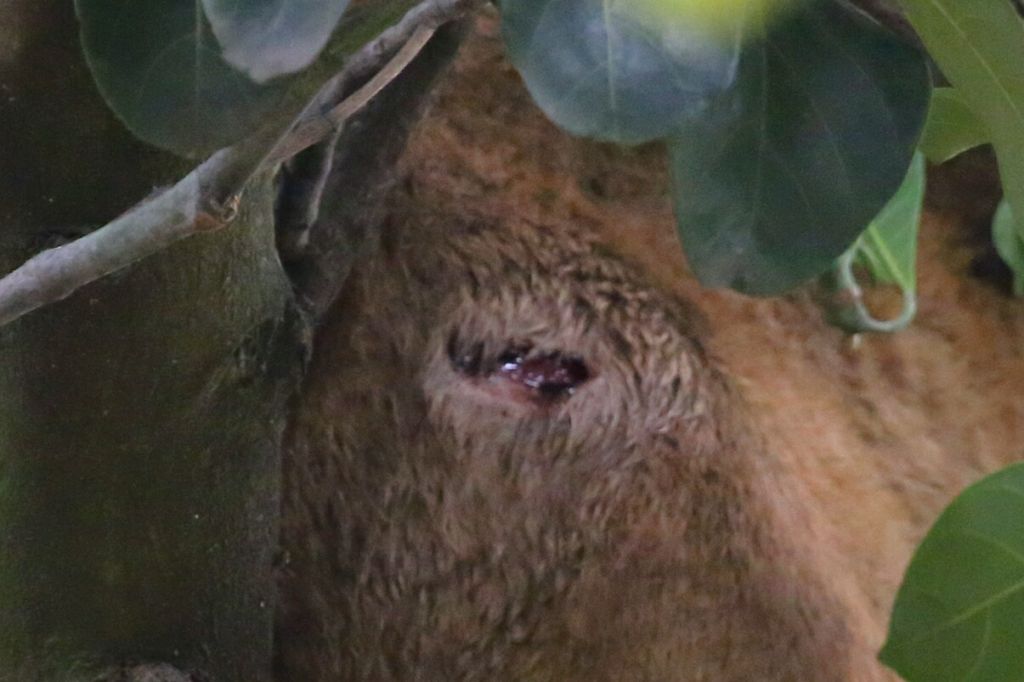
(303, 176)
(312, 128)
(207, 198)
(357, 192)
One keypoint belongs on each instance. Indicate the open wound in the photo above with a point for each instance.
(520, 371)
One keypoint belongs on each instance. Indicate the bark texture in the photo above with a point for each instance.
(140, 418)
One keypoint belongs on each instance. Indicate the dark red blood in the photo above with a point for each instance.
(542, 375)
(551, 374)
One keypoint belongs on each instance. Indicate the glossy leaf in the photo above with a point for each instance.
(160, 69)
(888, 250)
(602, 69)
(711, 16)
(782, 175)
(959, 612)
(979, 45)
(268, 38)
(1009, 244)
(952, 127)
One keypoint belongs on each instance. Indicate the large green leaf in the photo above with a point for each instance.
(1009, 244)
(268, 38)
(888, 249)
(602, 69)
(959, 614)
(161, 71)
(952, 127)
(979, 45)
(783, 174)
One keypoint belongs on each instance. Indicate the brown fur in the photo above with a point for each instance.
(656, 524)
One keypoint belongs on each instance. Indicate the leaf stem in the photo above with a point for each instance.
(859, 318)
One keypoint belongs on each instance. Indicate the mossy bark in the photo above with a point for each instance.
(140, 418)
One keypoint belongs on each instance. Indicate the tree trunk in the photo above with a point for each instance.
(140, 418)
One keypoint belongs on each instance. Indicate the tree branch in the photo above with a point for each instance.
(304, 175)
(207, 198)
(357, 189)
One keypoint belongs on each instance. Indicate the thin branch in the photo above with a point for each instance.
(303, 176)
(357, 190)
(312, 127)
(207, 198)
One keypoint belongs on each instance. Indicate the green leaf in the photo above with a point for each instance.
(268, 38)
(160, 69)
(952, 127)
(782, 175)
(959, 613)
(979, 45)
(888, 249)
(601, 69)
(1009, 244)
